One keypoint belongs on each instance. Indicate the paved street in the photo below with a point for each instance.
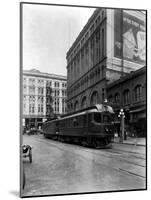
(60, 168)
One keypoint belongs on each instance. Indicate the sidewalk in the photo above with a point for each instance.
(132, 141)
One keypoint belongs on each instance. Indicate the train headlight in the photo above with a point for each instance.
(106, 129)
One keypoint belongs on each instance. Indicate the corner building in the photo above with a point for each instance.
(44, 96)
(111, 44)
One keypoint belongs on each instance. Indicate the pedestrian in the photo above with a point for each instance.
(135, 135)
(125, 134)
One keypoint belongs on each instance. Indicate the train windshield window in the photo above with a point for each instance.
(106, 118)
(89, 118)
(97, 117)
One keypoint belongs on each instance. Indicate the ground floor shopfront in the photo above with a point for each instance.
(138, 121)
(135, 123)
(33, 123)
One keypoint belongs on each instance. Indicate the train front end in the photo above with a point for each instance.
(102, 126)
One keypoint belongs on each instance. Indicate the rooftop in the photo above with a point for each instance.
(37, 73)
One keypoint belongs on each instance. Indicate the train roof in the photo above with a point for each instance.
(53, 120)
(97, 108)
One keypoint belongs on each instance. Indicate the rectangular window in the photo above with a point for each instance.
(24, 98)
(30, 108)
(42, 108)
(103, 42)
(33, 108)
(24, 105)
(39, 108)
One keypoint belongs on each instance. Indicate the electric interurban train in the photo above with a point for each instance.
(92, 126)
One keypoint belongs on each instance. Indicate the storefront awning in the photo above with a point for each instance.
(137, 110)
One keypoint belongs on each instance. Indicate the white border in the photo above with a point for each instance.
(9, 100)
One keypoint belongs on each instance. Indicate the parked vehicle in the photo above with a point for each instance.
(90, 127)
(27, 152)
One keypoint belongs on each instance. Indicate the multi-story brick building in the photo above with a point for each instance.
(111, 45)
(129, 93)
(44, 96)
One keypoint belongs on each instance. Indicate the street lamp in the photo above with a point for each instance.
(122, 116)
(105, 101)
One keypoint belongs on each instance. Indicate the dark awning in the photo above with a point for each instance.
(137, 110)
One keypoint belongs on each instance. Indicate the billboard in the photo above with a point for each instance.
(131, 32)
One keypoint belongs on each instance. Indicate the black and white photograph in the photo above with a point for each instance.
(83, 99)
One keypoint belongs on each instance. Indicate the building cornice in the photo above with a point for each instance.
(127, 77)
(37, 73)
(95, 13)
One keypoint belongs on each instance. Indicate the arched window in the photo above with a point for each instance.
(83, 103)
(71, 107)
(110, 98)
(76, 106)
(94, 98)
(126, 97)
(138, 93)
(117, 97)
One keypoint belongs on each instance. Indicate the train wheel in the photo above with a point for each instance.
(83, 142)
(89, 141)
(94, 143)
(97, 143)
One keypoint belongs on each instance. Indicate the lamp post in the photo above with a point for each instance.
(122, 116)
(105, 101)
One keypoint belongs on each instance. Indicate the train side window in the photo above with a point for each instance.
(64, 124)
(70, 122)
(57, 124)
(84, 120)
(89, 118)
(75, 122)
(79, 120)
(97, 117)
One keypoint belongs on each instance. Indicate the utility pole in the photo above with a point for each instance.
(121, 114)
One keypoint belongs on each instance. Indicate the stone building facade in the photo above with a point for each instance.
(44, 96)
(129, 93)
(100, 56)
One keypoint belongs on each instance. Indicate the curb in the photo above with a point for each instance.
(129, 143)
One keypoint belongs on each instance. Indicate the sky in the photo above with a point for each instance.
(48, 33)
